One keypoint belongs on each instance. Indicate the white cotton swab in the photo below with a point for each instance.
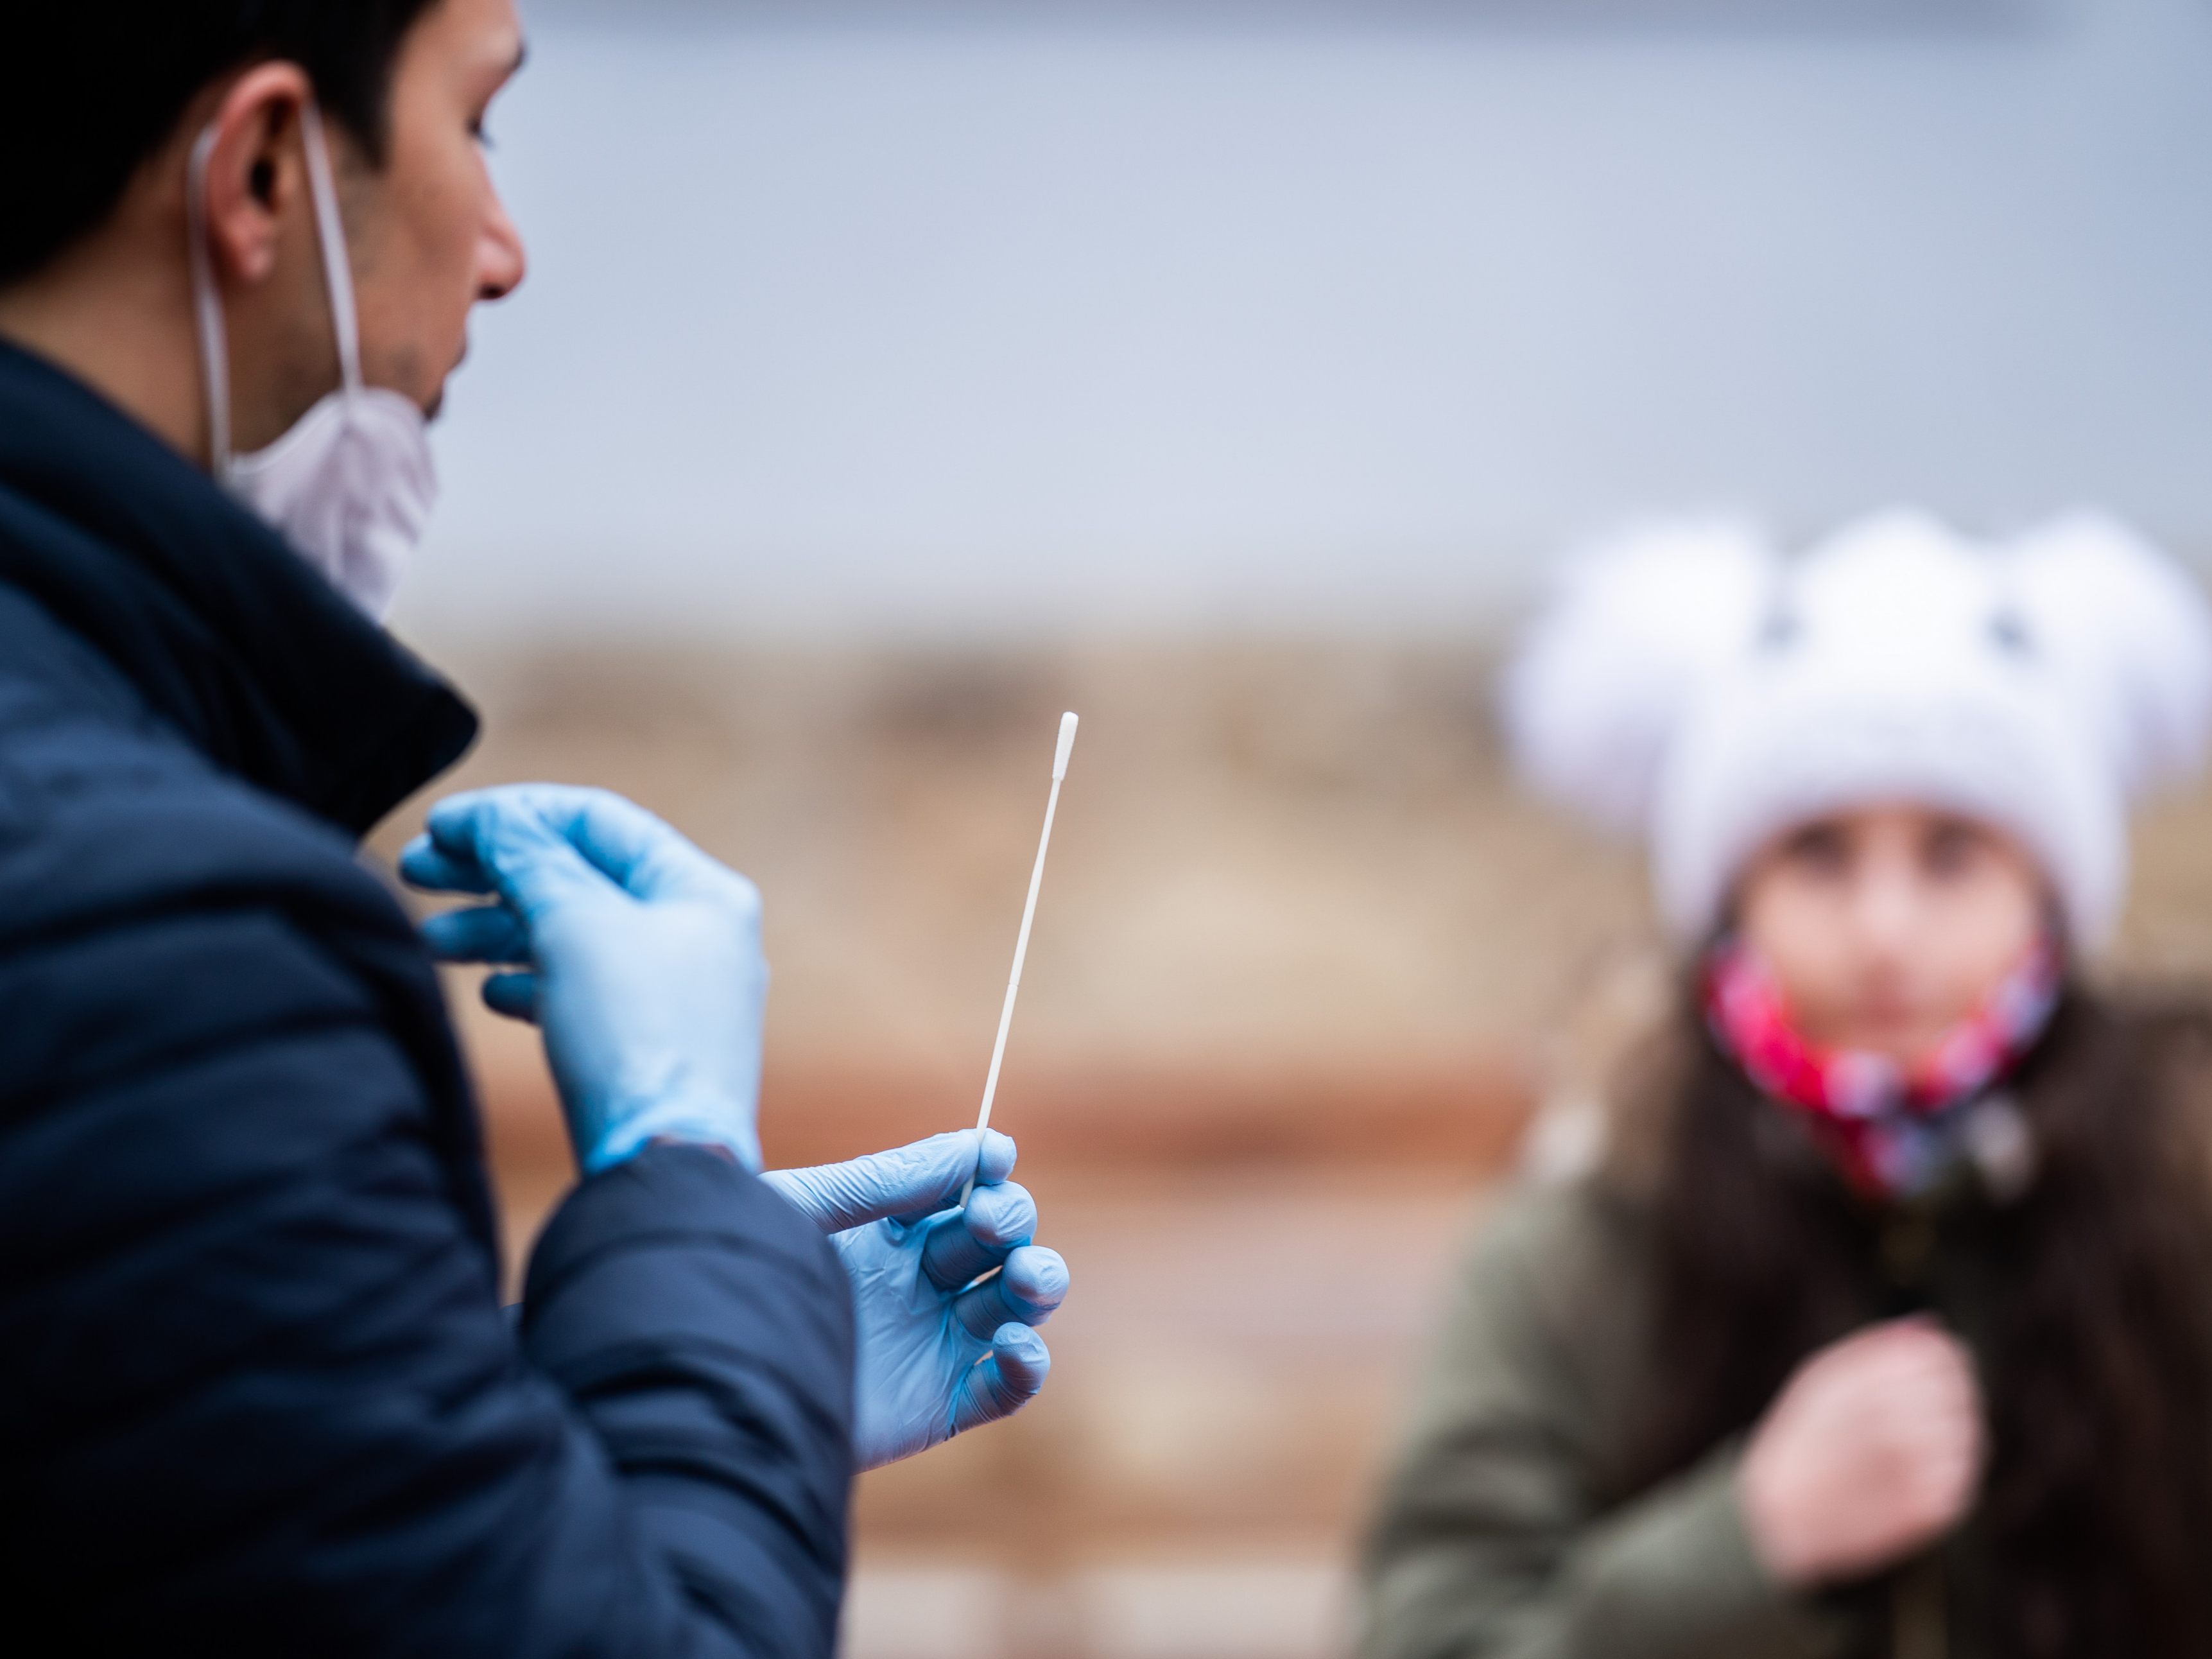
(1021, 944)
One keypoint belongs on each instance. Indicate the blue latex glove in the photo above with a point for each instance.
(636, 954)
(938, 1351)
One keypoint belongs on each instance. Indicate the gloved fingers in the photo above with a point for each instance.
(1026, 1291)
(505, 833)
(479, 932)
(975, 1240)
(514, 995)
(986, 1168)
(907, 1183)
(641, 853)
(425, 865)
(1006, 1379)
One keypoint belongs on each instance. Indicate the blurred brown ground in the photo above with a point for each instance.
(1303, 962)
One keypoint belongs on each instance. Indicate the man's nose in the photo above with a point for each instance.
(500, 260)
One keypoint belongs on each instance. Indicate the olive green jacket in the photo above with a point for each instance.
(1493, 1540)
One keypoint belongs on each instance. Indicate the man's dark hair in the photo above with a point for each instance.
(91, 89)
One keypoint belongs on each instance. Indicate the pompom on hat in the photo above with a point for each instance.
(1686, 684)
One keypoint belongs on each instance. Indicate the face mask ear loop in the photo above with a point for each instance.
(337, 267)
(207, 307)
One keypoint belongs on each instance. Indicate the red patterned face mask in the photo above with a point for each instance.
(1889, 1128)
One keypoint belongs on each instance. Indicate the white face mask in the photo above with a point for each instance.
(351, 484)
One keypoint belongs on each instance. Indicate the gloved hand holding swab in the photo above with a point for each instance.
(1022, 943)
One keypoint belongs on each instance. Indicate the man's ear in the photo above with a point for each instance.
(256, 175)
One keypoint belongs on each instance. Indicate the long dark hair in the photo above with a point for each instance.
(2095, 1304)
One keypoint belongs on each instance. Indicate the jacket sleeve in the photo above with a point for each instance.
(1490, 1543)
(261, 1398)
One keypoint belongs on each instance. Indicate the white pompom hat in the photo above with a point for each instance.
(1687, 685)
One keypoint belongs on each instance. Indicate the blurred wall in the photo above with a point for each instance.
(1081, 316)
(1296, 932)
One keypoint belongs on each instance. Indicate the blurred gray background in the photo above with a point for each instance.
(993, 318)
(891, 376)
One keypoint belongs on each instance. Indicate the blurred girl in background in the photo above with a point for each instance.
(1883, 1324)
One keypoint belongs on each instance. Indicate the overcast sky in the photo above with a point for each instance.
(847, 329)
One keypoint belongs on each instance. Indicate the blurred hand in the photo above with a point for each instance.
(638, 956)
(1873, 1451)
(945, 1299)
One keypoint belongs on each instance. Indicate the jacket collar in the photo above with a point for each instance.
(231, 636)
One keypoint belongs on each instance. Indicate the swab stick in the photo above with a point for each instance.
(1021, 944)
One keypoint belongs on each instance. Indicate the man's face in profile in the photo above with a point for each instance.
(429, 235)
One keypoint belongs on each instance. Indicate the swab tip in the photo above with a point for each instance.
(1066, 744)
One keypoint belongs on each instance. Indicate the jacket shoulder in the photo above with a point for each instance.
(1562, 1250)
(47, 670)
(108, 816)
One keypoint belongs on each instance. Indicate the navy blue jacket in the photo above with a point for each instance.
(257, 1393)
